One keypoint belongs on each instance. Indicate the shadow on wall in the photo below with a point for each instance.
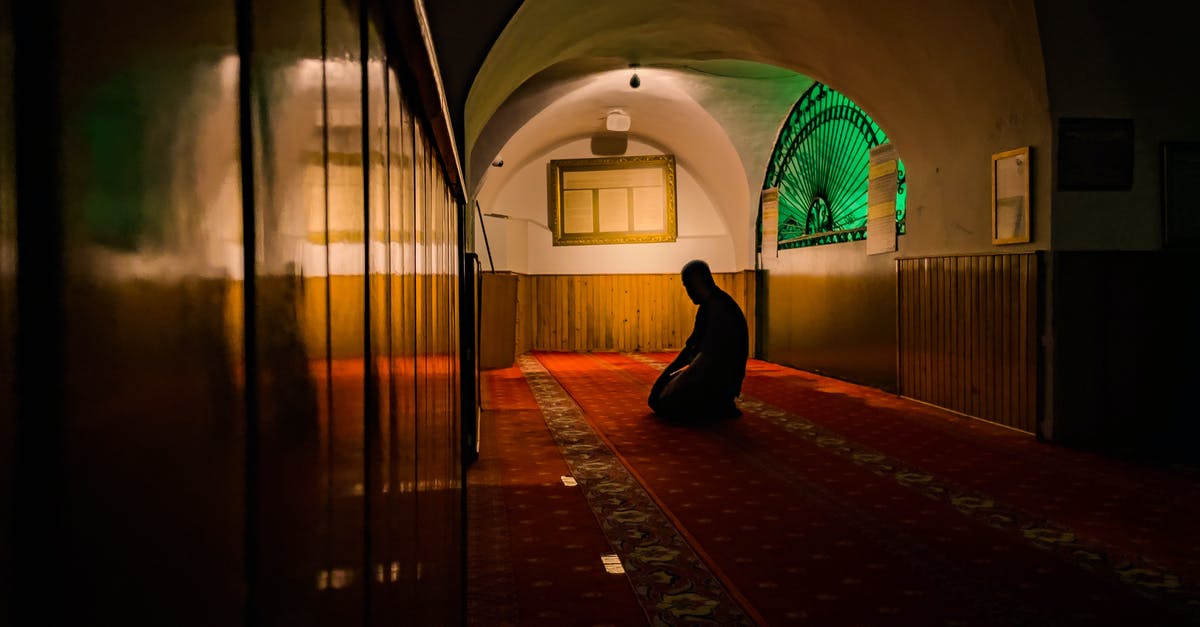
(1126, 342)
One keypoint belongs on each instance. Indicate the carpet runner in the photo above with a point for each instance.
(833, 504)
(534, 548)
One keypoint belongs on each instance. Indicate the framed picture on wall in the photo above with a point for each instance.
(612, 200)
(1181, 204)
(1010, 196)
(1095, 154)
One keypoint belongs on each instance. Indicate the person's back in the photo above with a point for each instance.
(706, 376)
(724, 343)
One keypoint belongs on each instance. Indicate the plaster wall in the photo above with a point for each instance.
(522, 242)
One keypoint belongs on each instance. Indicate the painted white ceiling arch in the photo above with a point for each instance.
(663, 115)
(950, 82)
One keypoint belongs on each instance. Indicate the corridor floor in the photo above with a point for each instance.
(826, 504)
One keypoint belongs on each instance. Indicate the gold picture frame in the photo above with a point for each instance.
(1010, 196)
(612, 200)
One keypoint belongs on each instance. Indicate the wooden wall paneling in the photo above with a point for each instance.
(1005, 319)
(571, 296)
(587, 314)
(1029, 331)
(979, 303)
(534, 311)
(1016, 363)
(564, 317)
(921, 299)
(644, 312)
(968, 331)
(548, 324)
(947, 322)
(653, 298)
(499, 321)
(1008, 333)
(973, 378)
(550, 297)
(1014, 324)
(920, 303)
(935, 336)
(996, 340)
(537, 294)
(990, 339)
(958, 325)
(1019, 331)
(949, 325)
(594, 337)
(544, 320)
(530, 309)
(612, 320)
(1010, 282)
(1032, 362)
(538, 338)
(563, 298)
(657, 302)
(583, 314)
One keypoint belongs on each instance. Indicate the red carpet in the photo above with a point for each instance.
(534, 545)
(832, 504)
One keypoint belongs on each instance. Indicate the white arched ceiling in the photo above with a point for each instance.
(664, 114)
(951, 83)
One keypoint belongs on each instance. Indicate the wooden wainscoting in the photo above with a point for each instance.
(619, 311)
(968, 334)
(614, 312)
(499, 320)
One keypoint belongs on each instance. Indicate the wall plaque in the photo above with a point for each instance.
(614, 200)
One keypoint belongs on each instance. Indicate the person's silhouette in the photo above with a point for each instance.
(705, 378)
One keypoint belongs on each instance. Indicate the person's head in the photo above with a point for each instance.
(698, 281)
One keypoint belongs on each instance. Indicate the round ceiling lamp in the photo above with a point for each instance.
(617, 121)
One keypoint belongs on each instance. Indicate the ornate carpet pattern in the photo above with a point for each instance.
(825, 504)
(1139, 571)
(671, 581)
(1142, 573)
(961, 569)
(534, 546)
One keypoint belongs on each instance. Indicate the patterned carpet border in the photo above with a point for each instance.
(672, 583)
(1146, 577)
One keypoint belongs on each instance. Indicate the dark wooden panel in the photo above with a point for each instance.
(499, 321)
(968, 335)
(1125, 340)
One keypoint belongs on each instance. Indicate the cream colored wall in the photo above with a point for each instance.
(522, 243)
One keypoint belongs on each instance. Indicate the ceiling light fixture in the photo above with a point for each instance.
(635, 82)
(617, 121)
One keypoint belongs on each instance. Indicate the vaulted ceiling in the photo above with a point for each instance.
(944, 79)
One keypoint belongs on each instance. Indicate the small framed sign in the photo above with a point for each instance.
(1010, 196)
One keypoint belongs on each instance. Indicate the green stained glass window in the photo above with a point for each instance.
(820, 165)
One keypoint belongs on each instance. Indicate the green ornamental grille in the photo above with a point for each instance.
(820, 165)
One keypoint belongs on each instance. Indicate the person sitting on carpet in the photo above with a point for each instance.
(706, 376)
